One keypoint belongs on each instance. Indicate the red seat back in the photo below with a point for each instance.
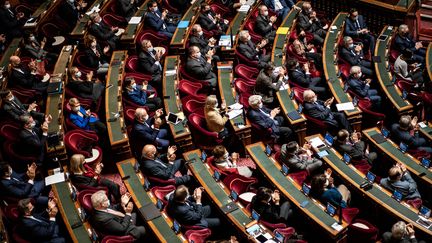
(84, 198)
(161, 191)
(238, 183)
(118, 239)
(10, 131)
(198, 235)
(132, 64)
(202, 137)
(244, 60)
(191, 105)
(191, 88)
(358, 234)
(248, 73)
(76, 141)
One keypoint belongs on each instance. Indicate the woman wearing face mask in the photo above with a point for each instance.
(214, 118)
(267, 204)
(143, 95)
(233, 163)
(323, 189)
(95, 57)
(35, 49)
(84, 86)
(85, 120)
(297, 158)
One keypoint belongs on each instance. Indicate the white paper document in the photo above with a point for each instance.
(244, 8)
(135, 20)
(345, 106)
(337, 226)
(170, 72)
(422, 124)
(284, 87)
(234, 113)
(53, 179)
(316, 142)
(236, 106)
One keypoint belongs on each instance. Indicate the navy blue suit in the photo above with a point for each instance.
(279, 132)
(144, 133)
(319, 111)
(402, 43)
(33, 142)
(139, 96)
(354, 59)
(161, 169)
(153, 20)
(18, 187)
(351, 27)
(39, 229)
(360, 88)
(413, 142)
(282, 13)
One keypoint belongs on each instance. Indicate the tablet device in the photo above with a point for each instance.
(330, 209)
(328, 139)
(268, 150)
(385, 132)
(284, 170)
(403, 147)
(159, 204)
(370, 177)
(216, 175)
(404, 94)
(294, 115)
(173, 118)
(234, 195)
(261, 238)
(346, 158)
(254, 230)
(279, 237)
(146, 185)
(305, 189)
(291, 95)
(203, 156)
(397, 195)
(425, 163)
(322, 154)
(424, 211)
(176, 227)
(382, 37)
(300, 108)
(255, 215)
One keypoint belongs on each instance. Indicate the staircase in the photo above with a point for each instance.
(424, 20)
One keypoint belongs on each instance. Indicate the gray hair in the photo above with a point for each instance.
(242, 34)
(98, 198)
(307, 95)
(355, 69)
(346, 39)
(398, 230)
(254, 100)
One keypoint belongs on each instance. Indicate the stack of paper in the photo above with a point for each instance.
(345, 106)
(316, 142)
(53, 179)
(170, 72)
(236, 106)
(244, 8)
(234, 113)
(135, 20)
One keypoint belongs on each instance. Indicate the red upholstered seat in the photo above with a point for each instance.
(155, 38)
(224, 173)
(13, 153)
(139, 77)
(348, 214)
(132, 64)
(271, 226)
(250, 26)
(9, 130)
(84, 198)
(286, 232)
(299, 177)
(161, 191)
(357, 234)
(16, 237)
(243, 87)
(157, 181)
(26, 96)
(80, 63)
(192, 105)
(417, 202)
(370, 118)
(191, 88)
(114, 20)
(238, 183)
(261, 134)
(424, 26)
(247, 73)
(118, 239)
(198, 236)
(244, 60)
(78, 142)
(11, 212)
(166, 4)
(50, 30)
(202, 137)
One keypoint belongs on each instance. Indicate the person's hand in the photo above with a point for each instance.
(329, 101)
(328, 172)
(358, 48)
(114, 29)
(32, 106)
(125, 198)
(307, 146)
(274, 112)
(410, 230)
(88, 112)
(276, 196)
(89, 76)
(402, 167)
(128, 208)
(32, 65)
(44, 127)
(198, 194)
(418, 45)
(368, 81)
(296, 7)
(355, 137)
(235, 157)
(172, 149)
(313, 15)
(31, 171)
(164, 14)
(53, 212)
(106, 49)
(306, 67)
(223, 105)
(157, 123)
(331, 181)
(52, 203)
(98, 169)
(48, 118)
(158, 112)
(273, 19)
(144, 85)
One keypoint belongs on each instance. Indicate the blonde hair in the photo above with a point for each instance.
(76, 164)
(210, 103)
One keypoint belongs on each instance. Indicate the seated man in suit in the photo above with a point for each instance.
(320, 110)
(211, 21)
(353, 54)
(302, 77)
(85, 120)
(353, 146)
(150, 60)
(267, 118)
(156, 20)
(143, 95)
(309, 22)
(400, 233)
(14, 108)
(25, 76)
(33, 138)
(11, 22)
(127, 8)
(164, 166)
(103, 32)
(297, 158)
(362, 88)
(148, 129)
(403, 41)
(188, 210)
(201, 68)
(267, 85)
(406, 69)
(264, 24)
(281, 7)
(85, 87)
(110, 220)
(42, 228)
(407, 132)
(400, 179)
(355, 27)
(251, 51)
(22, 185)
(205, 45)
(70, 12)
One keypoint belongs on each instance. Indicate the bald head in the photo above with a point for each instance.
(197, 30)
(15, 60)
(309, 96)
(141, 114)
(149, 151)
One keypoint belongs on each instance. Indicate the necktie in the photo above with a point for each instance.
(115, 212)
(32, 217)
(358, 25)
(11, 13)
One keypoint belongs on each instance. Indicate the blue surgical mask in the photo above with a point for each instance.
(134, 86)
(155, 9)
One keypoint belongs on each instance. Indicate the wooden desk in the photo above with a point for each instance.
(392, 150)
(38, 13)
(314, 210)
(161, 226)
(181, 35)
(240, 124)
(335, 83)
(394, 5)
(128, 38)
(426, 131)
(354, 178)
(12, 50)
(113, 105)
(50, 12)
(172, 103)
(80, 28)
(429, 60)
(217, 191)
(385, 77)
(70, 214)
(54, 105)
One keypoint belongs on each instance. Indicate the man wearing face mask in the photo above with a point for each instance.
(163, 166)
(71, 11)
(85, 120)
(156, 20)
(147, 130)
(267, 85)
(13, 106)
(211, 21)
(25, 76)
(355, 26)
(251, 51)
(197, 38)
(362, 87)
(264, 24)
(309, 22)
(353, 146)
(84, 86)
(301, 76)
(103, 32)
(267, 118)
(201, 68)
(11, 22)
(353, 54)
(32, 137)
(404, 41)
(320, 110)
(298, 159)
(150, 61)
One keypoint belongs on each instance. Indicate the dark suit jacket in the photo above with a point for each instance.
(403, 43)
(153, 21)
(102, 32)
(387, 238)
(191, 214)
(285, 4)
(351, 26)
(199, 69)
(16, 187)
(92, 60)
(262, 120)
(8, 22)
(400, 135)
(248, 50)
(206, 23)
(262, 26)
(351, 57)
(43, 230)
(24, 79)
(303, 21)
(147, 64)
(69, 13)
(34, 144)
(160, 168)
(15, 109)
(358, 86)
(144, 133)
(267, 212)
(82, 88)
(355, 151)
(84, 180)
(300, 77)
(126, 9)
(111, 224)
(201, 42)
(266, 86)
(319, 112)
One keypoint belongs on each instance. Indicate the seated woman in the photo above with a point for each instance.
(223, 161)
(85, 120)
(95, 57)
(213, 116)
(85, 88)
(138, 94)
(322, 188)
(35, 49)
(405, 68)
(267, 204)
(297, 158)
(82, 174)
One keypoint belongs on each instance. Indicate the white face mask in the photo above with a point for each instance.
(201, 33)
(78, 74)
(93, 45)
(155, 9)
(32, 38)
(134, 85)
(11, 98)
(360, 74)
(198, 55)
(260, 105)
(10, 171)
(108, 204)
(314, 99)
(150, 49)
(32, 125)
(249, 38)
(265, 13)
(351, 45)
(76, 108)
(7, 6)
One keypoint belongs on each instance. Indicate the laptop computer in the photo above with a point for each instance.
(370, 177)
(397, 195)
(328, 139)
